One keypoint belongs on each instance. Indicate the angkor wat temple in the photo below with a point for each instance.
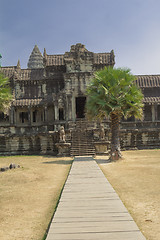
(51, 93)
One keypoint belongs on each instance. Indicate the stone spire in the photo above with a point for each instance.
(44, 57)
(17, 72)
(44, 53)
(35, 59)
(18, 65)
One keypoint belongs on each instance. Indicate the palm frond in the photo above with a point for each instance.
(114, 90)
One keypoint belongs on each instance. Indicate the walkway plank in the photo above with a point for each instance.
(90, 209)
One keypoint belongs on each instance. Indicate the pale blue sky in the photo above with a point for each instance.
(130, 27)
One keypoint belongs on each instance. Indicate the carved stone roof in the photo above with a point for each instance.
(32, 74)
(57, 60)
(28, 102)
(151, 100)
(79, 49)
(103, 58)
(98, 58)
(8, 71)
(23, 74)
(35, 59)
(148, 81)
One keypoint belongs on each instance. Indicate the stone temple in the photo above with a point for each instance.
(50, 93)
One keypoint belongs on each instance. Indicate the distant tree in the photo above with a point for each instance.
(5, 94)
(113, 92)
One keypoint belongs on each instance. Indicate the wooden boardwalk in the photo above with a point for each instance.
(90, 209)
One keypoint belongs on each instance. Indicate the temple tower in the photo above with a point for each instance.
(35, 59)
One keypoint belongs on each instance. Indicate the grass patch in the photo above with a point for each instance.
(29, 195)
(136, 179)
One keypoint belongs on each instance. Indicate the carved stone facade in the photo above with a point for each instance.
(51, 93)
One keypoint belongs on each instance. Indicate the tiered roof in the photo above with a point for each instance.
(32, 74)
(23, 74)
(98, 58)
(56, 60)
(36, 70)
(8, 71)
(148, 81)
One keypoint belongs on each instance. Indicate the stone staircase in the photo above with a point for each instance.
(81, 140)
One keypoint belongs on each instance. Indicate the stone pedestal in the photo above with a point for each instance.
(63, 149)
(102, 147)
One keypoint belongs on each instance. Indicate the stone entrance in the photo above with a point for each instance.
(80, 106)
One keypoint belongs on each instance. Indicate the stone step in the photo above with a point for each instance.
(82, 147)
(80, 151)
(82, 142)
(82, 154)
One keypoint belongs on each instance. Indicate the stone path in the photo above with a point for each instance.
(90, 209)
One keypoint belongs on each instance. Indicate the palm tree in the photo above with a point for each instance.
(5, 94)
(113, 92)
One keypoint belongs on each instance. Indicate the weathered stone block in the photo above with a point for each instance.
(102, 147)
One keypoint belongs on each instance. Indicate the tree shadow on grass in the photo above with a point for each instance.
(102, 161)
(58, 160)
(62, 162)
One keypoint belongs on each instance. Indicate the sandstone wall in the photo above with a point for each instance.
(38, 142)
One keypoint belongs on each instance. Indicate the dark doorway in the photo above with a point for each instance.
(34, 116)
(61, 114)
(80, 105)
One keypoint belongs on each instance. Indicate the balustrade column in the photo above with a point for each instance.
(46, 114)
(12, 115)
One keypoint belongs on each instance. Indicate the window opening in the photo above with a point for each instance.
(23, 116)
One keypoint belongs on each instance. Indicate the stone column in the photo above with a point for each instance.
(153, 113)
(29, 115)
(73, 108)
(69, 107)
(15, 116)
(56, 112)
(46, 114)
(12, 115)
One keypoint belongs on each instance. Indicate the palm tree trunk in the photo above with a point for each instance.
(115, 140)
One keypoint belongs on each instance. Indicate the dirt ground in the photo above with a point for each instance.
(136, 179)
(29, 194)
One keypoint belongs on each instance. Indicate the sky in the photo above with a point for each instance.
(130, 27)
